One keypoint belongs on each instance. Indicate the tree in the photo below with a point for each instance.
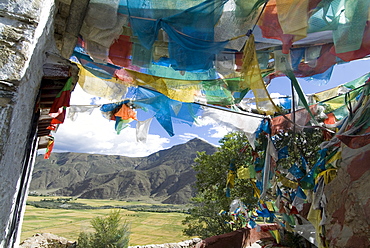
(109, 233)
(304, 144)
(205, 219)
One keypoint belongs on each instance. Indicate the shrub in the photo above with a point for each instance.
(110, 232)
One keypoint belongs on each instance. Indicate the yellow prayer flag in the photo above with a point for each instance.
(256, 192)
(243, 173)
(328, 175)
(112, 89)
(327, 94)
(293, 17)
(314, 216)
(230, 182)
(252, 79)
(276, 235)
(176, 89)
(287, 183)
(270, 206)
(337, 156)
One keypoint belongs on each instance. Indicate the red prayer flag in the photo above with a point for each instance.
(120, 51)
(49, 147)
(63, 98)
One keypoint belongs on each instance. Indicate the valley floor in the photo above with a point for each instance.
(146, 227)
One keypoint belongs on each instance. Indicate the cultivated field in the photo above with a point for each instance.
(146, 227)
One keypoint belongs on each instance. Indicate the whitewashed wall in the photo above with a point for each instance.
(25, 31)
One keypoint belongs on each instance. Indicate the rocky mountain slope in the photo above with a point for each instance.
(164, 176)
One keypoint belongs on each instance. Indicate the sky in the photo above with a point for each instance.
(92, 133)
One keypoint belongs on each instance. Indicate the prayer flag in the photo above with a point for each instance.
(142, 128)
(63, 97)
(251, 78)
(49, 147)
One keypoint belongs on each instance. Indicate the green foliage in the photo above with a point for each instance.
(171, 208)
(305, 144)
(204, 219)
(52, 204)
(62, 204)
(109, 233)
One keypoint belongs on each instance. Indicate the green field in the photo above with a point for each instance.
(146, 227)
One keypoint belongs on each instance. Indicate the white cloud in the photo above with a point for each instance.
(188, 136)
(218, 131)
(276, 95)
(215, 130)
(95, 134)
(205, 121)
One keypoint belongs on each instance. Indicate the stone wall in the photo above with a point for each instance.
(184, 244)
(48, 240)
(348, 211)
(26, 29)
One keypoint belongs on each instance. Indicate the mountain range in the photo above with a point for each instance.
(166, 176)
